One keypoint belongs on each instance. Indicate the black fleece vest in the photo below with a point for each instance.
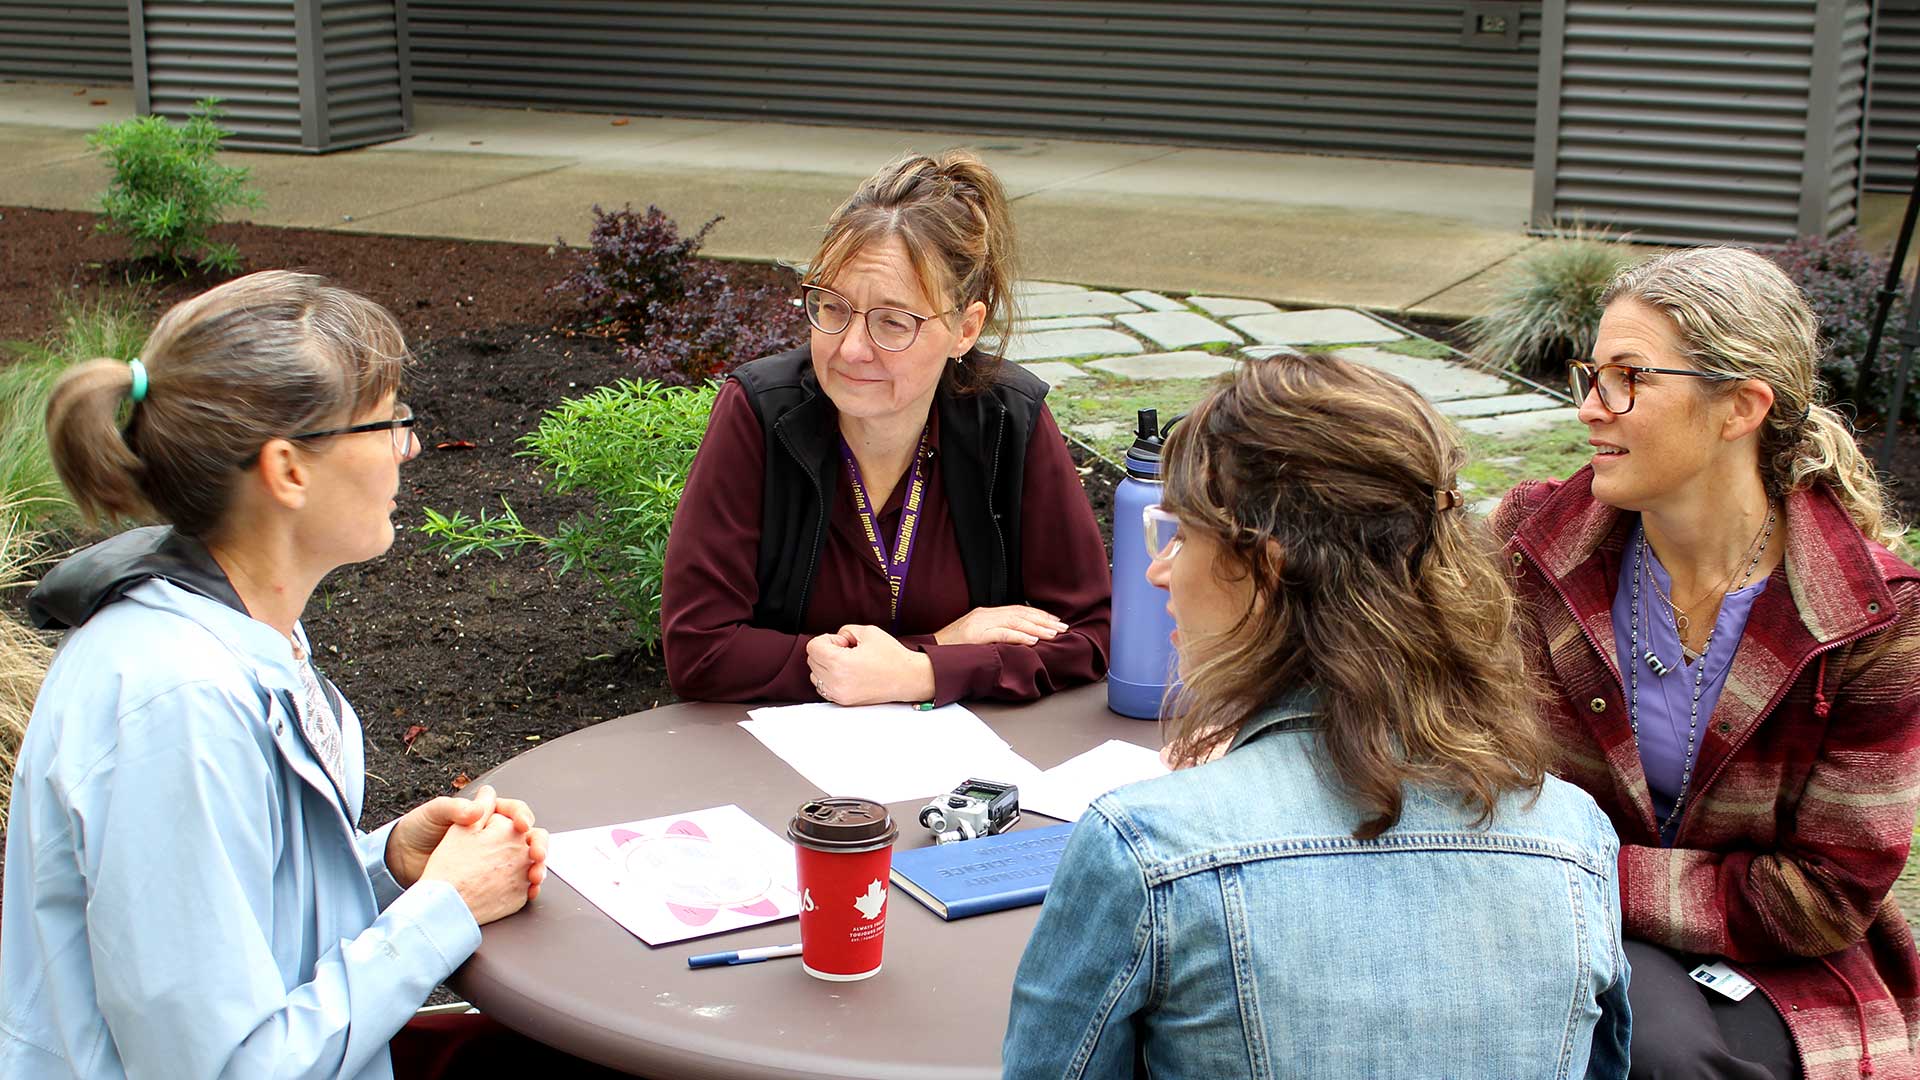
(983, 457)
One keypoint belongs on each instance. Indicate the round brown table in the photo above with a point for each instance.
(564, 973)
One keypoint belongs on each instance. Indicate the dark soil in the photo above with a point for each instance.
(456, 667)
(436, 288)
(453, 667)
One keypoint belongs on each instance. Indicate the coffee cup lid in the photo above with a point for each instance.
(842, 823)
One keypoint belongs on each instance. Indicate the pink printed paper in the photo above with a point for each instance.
(682, 876)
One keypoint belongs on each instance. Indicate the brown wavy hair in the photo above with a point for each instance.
(1318, 478)
(951, 214)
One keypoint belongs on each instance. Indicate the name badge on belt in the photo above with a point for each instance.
(1722, 979)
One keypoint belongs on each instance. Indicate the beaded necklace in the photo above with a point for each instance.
(1641, 569)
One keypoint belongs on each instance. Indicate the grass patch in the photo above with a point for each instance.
(110, 324)
(1495, 465)
(1424, 348)
(24, 654)
(1110, 399)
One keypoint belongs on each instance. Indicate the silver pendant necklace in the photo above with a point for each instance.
(1641, 569)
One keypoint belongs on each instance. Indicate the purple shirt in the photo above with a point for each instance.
(1666, 701)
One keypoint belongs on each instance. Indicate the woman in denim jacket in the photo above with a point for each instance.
(1361, 869)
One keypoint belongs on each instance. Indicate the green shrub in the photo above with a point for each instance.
(112, 325)
(629, 445)
(1548, 309)
(167, 191)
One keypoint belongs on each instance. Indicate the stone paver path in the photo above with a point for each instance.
(1221, 307)
(1056, 373)
(1329, 326)
(1439, 380)
(1153, 301)
(1178, 329)
(1056, 343)
(1171, 365)
(1070, 334)
(1048, 305)
(1066, 322)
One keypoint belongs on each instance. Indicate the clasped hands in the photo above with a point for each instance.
(865, 665)
(486, 847)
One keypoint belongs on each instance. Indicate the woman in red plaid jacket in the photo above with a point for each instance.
(1732, 662)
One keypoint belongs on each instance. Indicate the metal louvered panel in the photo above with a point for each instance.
(80, 40)
(363, 55)
(303, 75)
(1364, 77)
(1839, 204)
(243, 52)
(1702, 121)
(1893, 112)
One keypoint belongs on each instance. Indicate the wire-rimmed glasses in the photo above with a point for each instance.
(890, 328)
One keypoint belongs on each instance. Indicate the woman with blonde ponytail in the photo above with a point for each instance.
(1361, 869)
(1733, 661)
(188, 889)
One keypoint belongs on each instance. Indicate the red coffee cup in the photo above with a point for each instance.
(844, 850)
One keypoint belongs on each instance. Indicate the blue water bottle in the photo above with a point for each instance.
(1142, 662)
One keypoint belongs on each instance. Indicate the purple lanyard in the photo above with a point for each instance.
(895, 568)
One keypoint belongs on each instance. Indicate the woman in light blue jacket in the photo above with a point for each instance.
(1361, 869)
(187, 893)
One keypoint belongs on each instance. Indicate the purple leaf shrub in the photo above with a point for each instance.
(715, 328)
(1840, 279)
(680, 321)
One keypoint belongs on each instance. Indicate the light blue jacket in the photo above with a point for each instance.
(1222, 922)
(186, 893)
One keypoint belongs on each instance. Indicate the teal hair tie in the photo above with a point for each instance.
(139, 391)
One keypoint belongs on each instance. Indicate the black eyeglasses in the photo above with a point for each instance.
(1615, 382)
(890, 328)
(401, 426)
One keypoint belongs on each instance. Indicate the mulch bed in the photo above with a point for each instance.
(454, 668)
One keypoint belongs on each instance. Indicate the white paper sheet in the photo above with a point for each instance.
(888, 753)
(681, 876)
(1065, 790)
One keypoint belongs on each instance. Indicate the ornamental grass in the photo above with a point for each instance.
(24, 652)
(1548, 308)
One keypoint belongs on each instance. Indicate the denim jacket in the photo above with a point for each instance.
(1223, 922)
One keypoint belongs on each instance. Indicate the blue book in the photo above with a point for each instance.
(991, 873)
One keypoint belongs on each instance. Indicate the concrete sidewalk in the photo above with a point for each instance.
(1403, 237)
(1407, 238)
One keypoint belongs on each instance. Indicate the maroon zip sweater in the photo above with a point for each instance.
(714, 652)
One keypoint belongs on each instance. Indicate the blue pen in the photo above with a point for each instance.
(743, 956)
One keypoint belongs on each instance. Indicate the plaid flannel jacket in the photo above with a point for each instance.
(1808, 773)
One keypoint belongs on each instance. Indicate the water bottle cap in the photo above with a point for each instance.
(1146, 435)
(1143, 457)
